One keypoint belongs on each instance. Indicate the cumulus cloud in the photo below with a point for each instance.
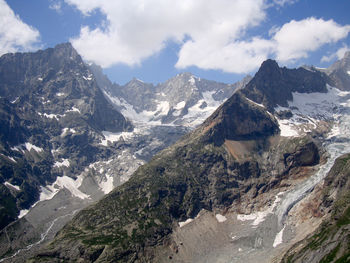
(138, 29)
(236, 57)
(339, 54)
(210, 34)
(15, 35)
(297, 38)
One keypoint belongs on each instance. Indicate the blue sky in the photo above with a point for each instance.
(153, 40)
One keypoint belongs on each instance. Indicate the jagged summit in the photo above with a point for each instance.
(269, 67)
(273, 86)
(339, 72)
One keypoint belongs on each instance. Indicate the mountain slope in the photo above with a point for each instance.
(235, 158)
(52, 114)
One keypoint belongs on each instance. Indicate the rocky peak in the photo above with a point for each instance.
(339, 72)
(273, 86)
(269, 68)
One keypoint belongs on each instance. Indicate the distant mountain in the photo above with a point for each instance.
(339, 72)
(244, 186)
(182, 100)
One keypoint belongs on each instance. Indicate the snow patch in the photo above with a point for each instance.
(255, 103)
(15, 100)
(260, 216)
(197, 114)
(163, 108)
(49, 191)
(51, 116)
(191, 80)
(107, 185)
(13, 186)
(40, 79)
(129, 111)
(88, 77)
(30, 146)
(220, 218)
(12, 159)
(26, 146)
(278, 238)
(64, 162)
(180, 105)
(74, 109)
(60, 94)
(287, 129)
(348, 72)
(181, 224)
(114, 137)
(65, 131)
(22, 213)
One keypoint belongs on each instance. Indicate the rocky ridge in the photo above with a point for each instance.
(182, 100)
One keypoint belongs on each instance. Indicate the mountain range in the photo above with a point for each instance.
(259, 174)
(64, 142)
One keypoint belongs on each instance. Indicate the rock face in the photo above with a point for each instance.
(239, 119)
(52, 114)
(339, 72)
(231, 160)
(274, 86)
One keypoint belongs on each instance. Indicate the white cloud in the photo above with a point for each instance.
(283, 2)
(236, 57)
(137, 29)
(56, 5)
(297, 38)
(15, 35)
(339, 54)
(211, 34)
